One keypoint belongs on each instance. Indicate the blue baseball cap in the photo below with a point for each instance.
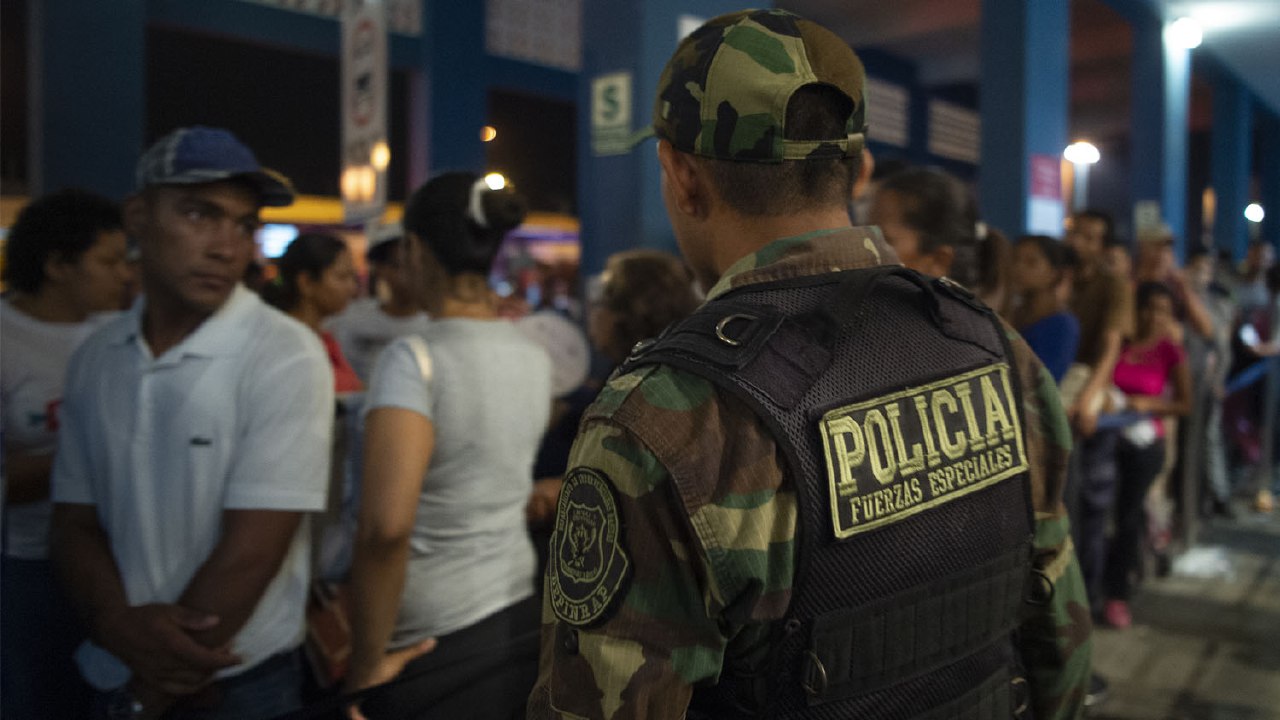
(198, 154)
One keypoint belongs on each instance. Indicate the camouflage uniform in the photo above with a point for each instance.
(676, 533)
(708, 523)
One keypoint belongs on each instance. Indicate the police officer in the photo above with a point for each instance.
(834, 491)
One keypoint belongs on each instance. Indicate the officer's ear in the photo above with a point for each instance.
(685, 180)
(866, 168)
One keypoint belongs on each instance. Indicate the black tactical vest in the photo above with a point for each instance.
(900, 417)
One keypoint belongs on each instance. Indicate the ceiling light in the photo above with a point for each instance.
(1185, 33)
(1082, 153)
(1254, 213)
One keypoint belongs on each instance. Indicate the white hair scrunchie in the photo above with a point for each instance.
(475, 208)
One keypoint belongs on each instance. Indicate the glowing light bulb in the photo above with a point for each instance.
(495, 181)
(380, 156)
(1185, 33)
(1082, 153)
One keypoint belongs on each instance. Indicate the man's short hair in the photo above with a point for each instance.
(760, 189)
(60, 225)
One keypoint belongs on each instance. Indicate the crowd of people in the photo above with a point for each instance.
(1137, 344)
(180, 470)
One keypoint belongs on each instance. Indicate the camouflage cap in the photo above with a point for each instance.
(725, 91)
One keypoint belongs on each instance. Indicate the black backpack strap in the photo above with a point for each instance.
(778, 355)
(849, 300)
(743, 347)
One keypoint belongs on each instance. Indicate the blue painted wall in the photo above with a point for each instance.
(619, 196)
(457, 85)
(608, 187)
(1023, 101)
(1177, 134)
(1269, 175)
(86, 106)
(1160, 134)
(1231, 150)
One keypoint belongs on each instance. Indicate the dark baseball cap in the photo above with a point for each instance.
(198, 154)
(724, 93)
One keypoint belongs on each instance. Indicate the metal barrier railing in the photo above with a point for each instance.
(1262, 377)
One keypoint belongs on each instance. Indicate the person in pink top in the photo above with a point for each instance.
(1153, 374)
(317, 279)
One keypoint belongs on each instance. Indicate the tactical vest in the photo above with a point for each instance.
(899, 414)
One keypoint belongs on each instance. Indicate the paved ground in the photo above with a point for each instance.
(1205, 644)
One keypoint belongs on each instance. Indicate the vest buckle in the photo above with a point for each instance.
(723, 325)
(815, 676)
(1040, 589)
(1022, 696)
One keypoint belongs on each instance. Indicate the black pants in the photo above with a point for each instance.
(1094, 492)
(482, 671)
(1136, 468)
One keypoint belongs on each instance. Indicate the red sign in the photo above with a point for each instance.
(1046, 177)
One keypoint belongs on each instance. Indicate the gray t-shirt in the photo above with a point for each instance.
(487, 391)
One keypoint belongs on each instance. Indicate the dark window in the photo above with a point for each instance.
(282, 103)
(535, 147)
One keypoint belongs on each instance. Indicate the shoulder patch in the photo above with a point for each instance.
(589, 568)
(894, 456)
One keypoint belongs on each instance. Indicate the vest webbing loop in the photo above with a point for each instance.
(990, 700)
(859, 650)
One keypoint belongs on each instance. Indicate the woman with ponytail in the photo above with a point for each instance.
(316, 280)
(442, 580)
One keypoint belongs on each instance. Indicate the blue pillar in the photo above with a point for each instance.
(1269, 175)
(457, 86)
(1232, 120)
(619, 196)
(1023, 101)
(86, 91)
(1161, 97)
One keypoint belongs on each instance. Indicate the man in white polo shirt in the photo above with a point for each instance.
(195, 437)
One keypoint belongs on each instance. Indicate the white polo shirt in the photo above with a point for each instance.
(236, 416)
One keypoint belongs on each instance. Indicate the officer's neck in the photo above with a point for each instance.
(736, 236)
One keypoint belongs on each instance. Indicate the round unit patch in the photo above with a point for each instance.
(589, 567)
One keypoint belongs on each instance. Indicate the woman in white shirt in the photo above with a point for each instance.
(64, 263)
(455, 415)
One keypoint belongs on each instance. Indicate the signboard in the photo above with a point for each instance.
(1045, 212)
(365, 154)
(611, 114)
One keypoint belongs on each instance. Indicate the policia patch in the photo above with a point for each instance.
(900, 454)
(589, 567)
